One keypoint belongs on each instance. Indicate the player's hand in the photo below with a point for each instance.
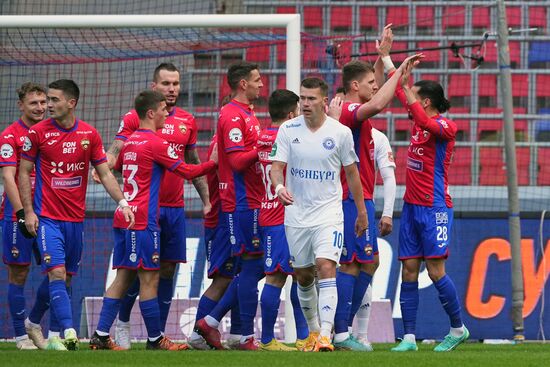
(361, 224)
(285, 197)
(407, 66)
(129, 216)
(31, 223)
(95, 176)
(21, 224)
(385, 226)
(335, 108)
(383, 47)
(206, 208)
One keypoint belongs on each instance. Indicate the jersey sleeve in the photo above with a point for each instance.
(442, 128)
(383, 151)
(8, 147)
(280, 149)
(347, 150)
(349, 115)
(193, 137)
(232, 129)
(98, 152)
(30, 146)
(129, 124)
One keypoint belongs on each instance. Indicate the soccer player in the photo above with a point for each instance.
(62, 148)
(359, 258)
(180, 130)
(283, 106)
(313, 147)
(241, 190)
(17, 243)
(143, 160)
(427, 216)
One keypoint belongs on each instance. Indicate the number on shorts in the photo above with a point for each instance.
(338, 239)
(441, 233)
(133, 168)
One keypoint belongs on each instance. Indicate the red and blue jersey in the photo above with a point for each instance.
(238, 131)
(272, 212)
(143, 160)
(211, 219)
(364, 148)
(180, 131)
(11, 144)
(429, 157)
(62, 158)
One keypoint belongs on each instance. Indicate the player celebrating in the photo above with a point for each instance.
(143, 159)
(180, 130)
(62, 148)
(241, 190)
(427, 214)
(314, 147)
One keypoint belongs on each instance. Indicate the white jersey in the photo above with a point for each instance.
(314, 162)
(383, 155)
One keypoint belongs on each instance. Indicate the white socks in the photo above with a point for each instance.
(308, 302)
(328, 300)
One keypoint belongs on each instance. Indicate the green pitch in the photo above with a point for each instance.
(470, 354)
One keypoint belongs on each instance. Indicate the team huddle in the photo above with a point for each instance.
(292, 199)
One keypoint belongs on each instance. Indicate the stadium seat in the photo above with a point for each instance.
(513, 16)
(286, 10)
(425, 19)
(396, 46)
(542, 127)
(543, 171)
(487, 89)
(539, 52)
(341, 18)
(491, 53)
(259, 55)
(492, 166)
(428, 76)
(400, 154)
(313, 19)
(459, 89)
(368, 19)
(313, 54)
(205, 123)
(493, 129)
(432, 57)
(543, 91)
(399, 17)
(537, 17)
(460, 172)
(402, 129)
(520, 85)
(463, 130)
(481, 18)
(453, 20)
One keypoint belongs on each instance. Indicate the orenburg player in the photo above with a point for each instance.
(180, 130)
(17, 243)
(143, 160)
(427, 216)
(283, 106)
(313, 148)
(359, 258)
(385, 164)
(241, 190)
(62, 148)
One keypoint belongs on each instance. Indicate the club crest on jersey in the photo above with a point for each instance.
(353, 106)
(256, 242)
(155, 257)
(47, 259)
(235, 135)
(183, 129)
(368, 250)
(6, 151)
(27, 145)
(85, 143)
(329, 143)
(172, 153)
(14, 252)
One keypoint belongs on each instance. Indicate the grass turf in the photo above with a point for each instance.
(471, 354)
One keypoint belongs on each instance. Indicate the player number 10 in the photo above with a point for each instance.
(337, 239)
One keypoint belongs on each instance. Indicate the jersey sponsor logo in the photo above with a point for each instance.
(270, 204)
(264, 156)
(416, 150)
(441, 218)
(172, 153)
(66, 182)
(329, 143)
(183, 129)
(57, 167)
(292, 125)
(222, 185)
(120, 127)
(235, 119)
(85, 143)
(8, 136)
(443, 123)
(130, 156)
(69, 167)
(6, 151)
(52, 142)
(177, 147)
(310, 174)
(353, 106)
(168, 129)
(27, 145)
(69, 147)
(235, 135)
(415, 164)
(48, 135)
(296, 141)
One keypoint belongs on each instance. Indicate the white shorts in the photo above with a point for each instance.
(308, 244)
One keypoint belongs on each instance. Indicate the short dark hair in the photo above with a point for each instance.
(314, 83)
(147, 100)
(281, 103)
(164, 66)
(341, 90)
(238, 72)
(355, 70)
(434, 91)
(28, 88)
(68, 87)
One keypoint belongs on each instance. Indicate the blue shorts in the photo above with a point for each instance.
(277, 254)
(218, 252)
(243, 231)
(17, 248)
(425, 232)
(136, 249)
(361, 249)
(172, 235)
(60, 244)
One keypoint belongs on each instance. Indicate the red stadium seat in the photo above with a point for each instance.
(400, 154)
(313, 54)
(493, 130)
(259, 54)
(286, 10)
(487, 85)
(398, 16)
(543, 85)
(396, 46)
(431, 56)
(543, 173)
(463, 130)
(453, 19)
(513, 16)
(491, 53)
(492, 169)
(460, 172)
(434, 77)
(313, 18)
(341, 18)
(205, 123)
(425, 17)
(520, 85)
(368, 19)
(537, 16)
(402, 129)
(459, 85)
(481, 17)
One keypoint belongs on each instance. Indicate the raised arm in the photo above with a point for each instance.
(383, 48)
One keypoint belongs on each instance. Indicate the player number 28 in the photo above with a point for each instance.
(133, 168)
(338, 239)
(441, 233)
